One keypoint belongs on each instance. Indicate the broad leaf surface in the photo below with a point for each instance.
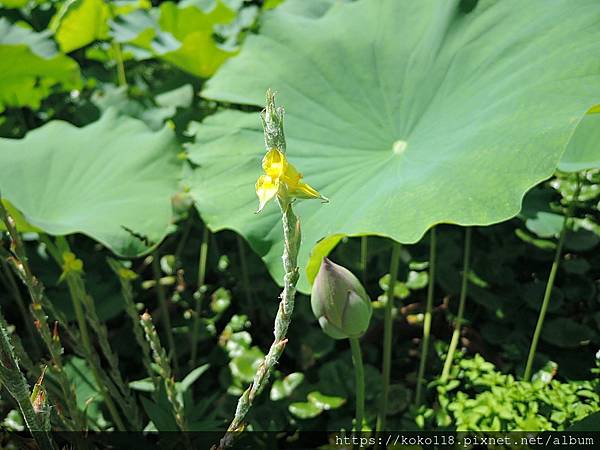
(31, 68)
(583, 151)
(181, 34)
(111, 180)
(79, 23)
(404, 114)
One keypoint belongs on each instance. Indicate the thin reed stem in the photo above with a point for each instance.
(461, 307)
(199, 295)
(550, 283)
(363, 258)
(387, 336)
(427, 319)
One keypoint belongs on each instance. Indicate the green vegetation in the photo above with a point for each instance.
(402, 235)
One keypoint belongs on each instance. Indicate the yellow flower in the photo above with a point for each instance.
(281, 178)
(70, 265)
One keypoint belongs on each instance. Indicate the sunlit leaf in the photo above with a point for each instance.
(453, 122)
(112, 180)
(193, 27)
(79, 23)
(31, 68)
(583, 151)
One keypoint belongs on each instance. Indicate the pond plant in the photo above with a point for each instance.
(162, 229)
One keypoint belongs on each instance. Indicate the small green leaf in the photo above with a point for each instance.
(145, 385)
(192, 377)
(304, 410)
(284, 388)
(417, 280)
(244, 367)
(325, 402)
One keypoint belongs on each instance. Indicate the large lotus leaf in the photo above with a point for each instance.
(111, 180)
(405, 114)
(181, 34)
(30, 67)
(191, 22)
(583, 151)
(142, 34)
(79, 23)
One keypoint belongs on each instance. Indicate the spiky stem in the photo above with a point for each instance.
(272, 119)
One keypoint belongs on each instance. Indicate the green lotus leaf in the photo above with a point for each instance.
(111, 180)
(79, 23)
(583, 151)
(404, 114)
(192, 24)
(31, 68)
(140, 31)
(181, 34)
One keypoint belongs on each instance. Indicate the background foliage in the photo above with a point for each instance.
(116, 132)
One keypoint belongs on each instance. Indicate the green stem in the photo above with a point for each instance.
(11, 284)
(359, 374)
(121, 78)
(199, 295)
(461, 307)
(89, 349)
(550, 284)
(164, 308)
(427, 320)
(162, 361)
(37, 421)
(125, 276)
(272, 119)
(387, 335)
(363, 257)
(20, 264)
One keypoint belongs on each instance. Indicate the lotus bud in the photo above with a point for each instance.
(340, 302)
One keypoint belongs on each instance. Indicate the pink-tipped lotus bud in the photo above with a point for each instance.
(340, 302)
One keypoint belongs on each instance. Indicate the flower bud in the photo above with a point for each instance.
(340, 302)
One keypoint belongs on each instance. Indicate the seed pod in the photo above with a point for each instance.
(340, 302)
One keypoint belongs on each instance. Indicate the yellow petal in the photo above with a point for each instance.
(266, 189)
(303, 190)
(274, 163)
(291, 177)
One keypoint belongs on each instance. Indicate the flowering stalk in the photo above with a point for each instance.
(17, 259)
(162, 361)
(125, 277)
(34, 409)
(282, 180)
